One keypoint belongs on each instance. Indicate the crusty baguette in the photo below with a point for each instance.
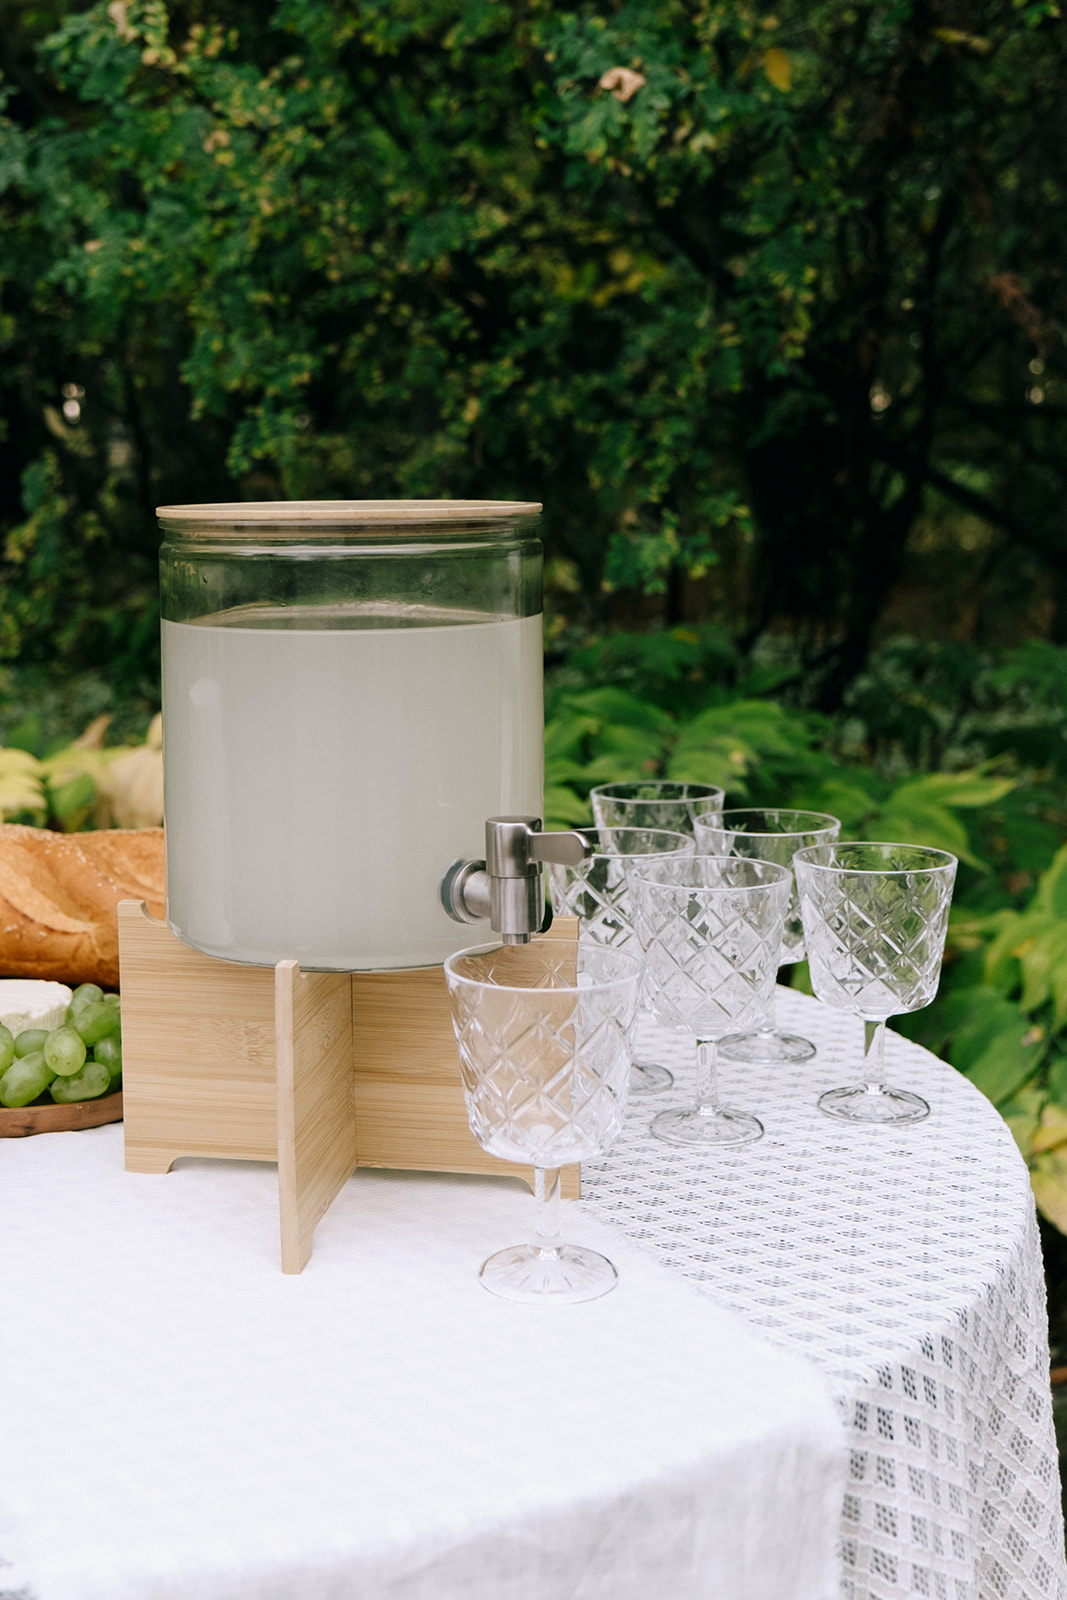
(59, 897)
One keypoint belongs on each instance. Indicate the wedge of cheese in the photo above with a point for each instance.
(32, 1003)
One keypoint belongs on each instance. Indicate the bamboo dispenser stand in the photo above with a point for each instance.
(322, 1072)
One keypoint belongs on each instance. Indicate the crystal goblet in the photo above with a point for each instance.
(543, 1033)
(654, 803)
(768, 834)
(596, 891)
(711, 929)
(875, 917)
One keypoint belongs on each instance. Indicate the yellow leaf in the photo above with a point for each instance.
(971, 41)
(622, 82)
(20, 782)
(1049, 1182)
(133, 787)
(93, 736)
(1053, 1130)
(777, 69)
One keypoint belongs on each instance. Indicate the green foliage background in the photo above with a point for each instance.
(751, 297)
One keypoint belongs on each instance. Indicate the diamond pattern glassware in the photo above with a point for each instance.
(711, 930)
(654, 803)
(875, 917)
(768, 834)
(596, 891)
(544, 1039)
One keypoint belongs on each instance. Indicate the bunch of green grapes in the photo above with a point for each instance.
(80, 1060)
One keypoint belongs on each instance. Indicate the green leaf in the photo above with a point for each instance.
(71, 803)
(1043, 957)
(566, 736)
(912, 822)
(1057, 1076)
(1005, 1065)
(1051, 894)
(850, 801)
(636, 751)
(722, 762)
(761, 725)
(576, 772)
(616, 706)
(564, 809)
(988, 1043)
(951, 789)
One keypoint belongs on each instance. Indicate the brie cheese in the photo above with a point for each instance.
(32, 1003)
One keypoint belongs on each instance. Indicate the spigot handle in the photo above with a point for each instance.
(515, 847)
(562, 849)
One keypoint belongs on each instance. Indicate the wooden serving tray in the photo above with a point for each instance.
(50, 1118)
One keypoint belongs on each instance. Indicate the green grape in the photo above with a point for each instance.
(7, 1048)
(26, 1078)
(29, 1040)
(64, 1050)
(94, 1021)
(88, 1084)
(109, 1051)
(85, 997)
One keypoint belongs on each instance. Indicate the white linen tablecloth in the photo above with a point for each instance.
(906, 1264)
(180, 1421)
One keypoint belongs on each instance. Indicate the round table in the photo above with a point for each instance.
(906, 1265)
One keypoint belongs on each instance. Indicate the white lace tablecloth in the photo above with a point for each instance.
(907, 1267)
(180, 1421)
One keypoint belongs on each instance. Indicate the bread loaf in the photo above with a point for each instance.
(59, 897)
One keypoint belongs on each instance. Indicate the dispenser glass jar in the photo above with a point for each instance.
(350, 688)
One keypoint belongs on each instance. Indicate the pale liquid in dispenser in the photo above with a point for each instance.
(320, 781)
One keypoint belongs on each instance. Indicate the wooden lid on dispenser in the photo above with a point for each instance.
(297, 518)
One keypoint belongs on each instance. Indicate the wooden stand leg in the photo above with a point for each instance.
(316, 1113)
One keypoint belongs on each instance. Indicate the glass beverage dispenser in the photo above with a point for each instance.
(350, 689)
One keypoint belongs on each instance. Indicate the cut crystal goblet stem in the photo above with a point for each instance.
(709, 1121)
(707, 1077)
(874, 1054)
(546, 1218)
(548, 1268)
(874, 1100)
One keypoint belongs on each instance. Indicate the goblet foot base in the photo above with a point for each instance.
(647, 1077)
(771, 1046)
(873, 1102)
(564, 1275)
(722, 1127)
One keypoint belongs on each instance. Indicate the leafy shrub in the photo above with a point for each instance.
(1001, 1018)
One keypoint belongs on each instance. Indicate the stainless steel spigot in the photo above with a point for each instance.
(508, 886)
